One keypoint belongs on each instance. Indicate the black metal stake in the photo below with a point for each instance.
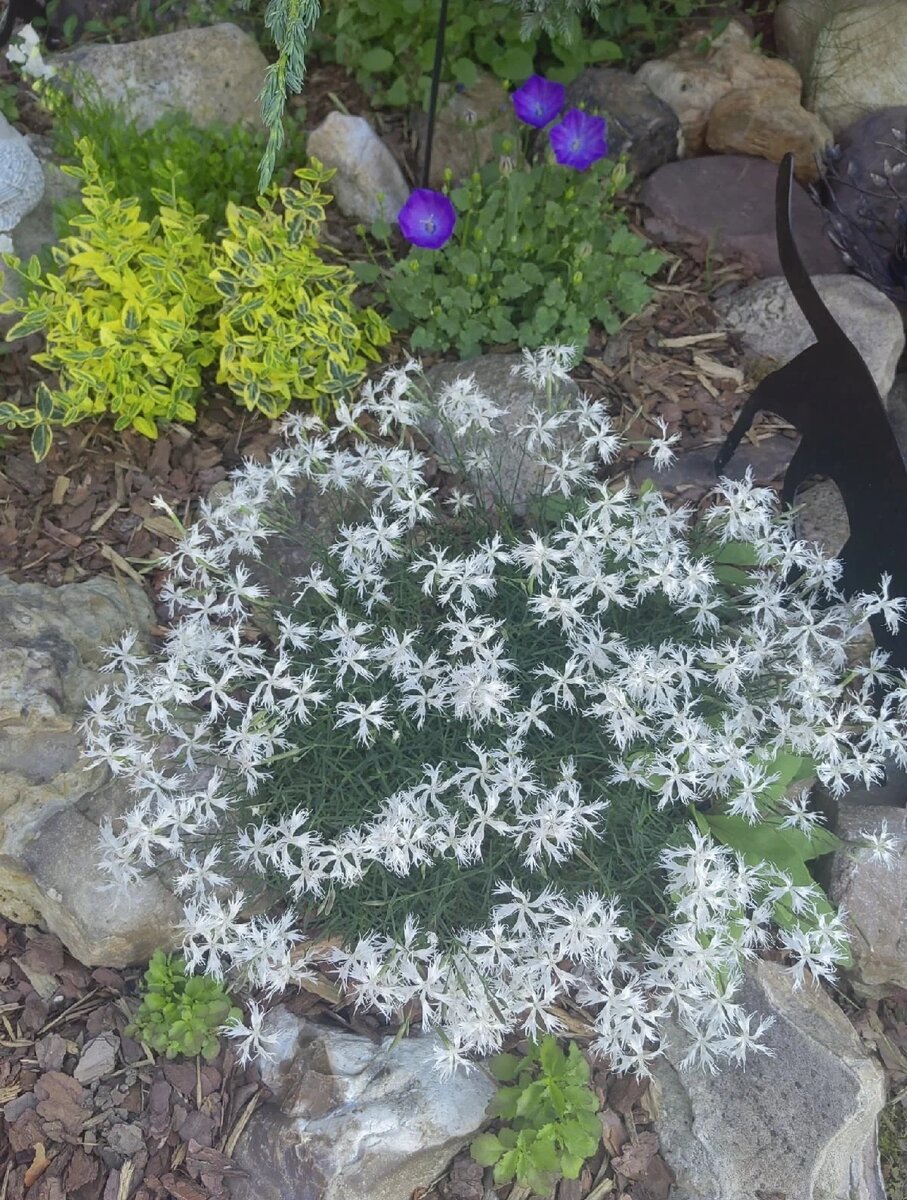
(433, 94)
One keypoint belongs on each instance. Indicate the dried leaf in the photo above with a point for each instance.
(39, 1165)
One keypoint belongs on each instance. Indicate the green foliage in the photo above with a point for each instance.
(535, 257)
(290, 24)
(121, 316)
(180, 1013)
(136, 309)
(288, 326)
(208, 168)
(390, 45)
(549, 1111)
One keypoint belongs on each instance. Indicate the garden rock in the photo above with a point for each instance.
(773, 327)
(873, 896)
(214, 73)
(21, 177)
(353, 1119)
(51, 644)
(727, 202)
(799, 1124)
(768, 122)
(859, 63)
(369, 184)
(639, 123)
(466, 125)
(36, 230)
(797, 25)
(511, 480)
(868, 182)
(692, 83)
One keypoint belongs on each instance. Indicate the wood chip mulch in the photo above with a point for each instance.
(85, 1112)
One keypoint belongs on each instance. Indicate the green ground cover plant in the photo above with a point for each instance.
(181, 1014)
(476, 746)
(549, 1124)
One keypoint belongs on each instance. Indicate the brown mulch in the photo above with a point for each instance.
(85, 1112)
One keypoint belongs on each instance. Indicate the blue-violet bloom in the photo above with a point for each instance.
(427, 219)
(579, 140)
(538, 101)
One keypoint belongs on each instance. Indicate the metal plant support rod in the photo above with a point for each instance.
(433, 94)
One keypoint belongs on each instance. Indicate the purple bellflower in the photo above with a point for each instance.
(427, 219)
(538, 101)
(579, 140)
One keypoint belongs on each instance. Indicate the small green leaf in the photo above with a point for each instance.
(376, 59)
(505, 1067)
(41, 441)
(486, 1149)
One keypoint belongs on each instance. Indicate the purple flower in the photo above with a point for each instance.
(538, 101)
(427, 218)
(579, 140)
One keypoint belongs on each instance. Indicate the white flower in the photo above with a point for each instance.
(659, 449)
(253, 1041)
(882, 845)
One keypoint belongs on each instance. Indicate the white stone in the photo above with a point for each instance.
(215, 73)
(354, 1119)
(772, 326)
(800, 1124)
(21, 177)
(859, 63)
(368, 184)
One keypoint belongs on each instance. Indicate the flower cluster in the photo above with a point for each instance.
(472, 718)
(427, 219)
(25, 50)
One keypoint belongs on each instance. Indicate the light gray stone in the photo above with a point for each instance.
(873, 896)
(21, 181)
(214, 73)
(772, 325)
(368, 184)
(51, 643)
(859, 63)
(800, 1124)
(353, 1119)
(98, 1058)
(511, 478)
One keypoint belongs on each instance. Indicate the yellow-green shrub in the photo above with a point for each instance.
(137, 309)
(288, 327)
(123, 317)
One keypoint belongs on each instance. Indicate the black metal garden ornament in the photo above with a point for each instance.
(829, 395)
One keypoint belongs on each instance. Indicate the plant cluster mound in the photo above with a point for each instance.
(472, 750)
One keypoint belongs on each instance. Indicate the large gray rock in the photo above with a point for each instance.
(859, 63)
(214, 73)
(773, 327)
(801, 1124)
(353, 1119)
(639, 123)
(21, 177)
(873, 896)
(797, 25)
(509, 477)
(50, 806)
(368, 184)
(727, 202)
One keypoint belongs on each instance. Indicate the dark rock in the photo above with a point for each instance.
(638, 121)
(866, 181)
(696, 468)
(727, 202)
